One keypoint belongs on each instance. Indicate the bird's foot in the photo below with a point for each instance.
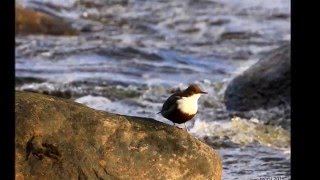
(174, 124)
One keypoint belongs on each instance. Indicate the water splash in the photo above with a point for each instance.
(244, 132)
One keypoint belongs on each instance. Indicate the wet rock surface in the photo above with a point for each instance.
(59, 139)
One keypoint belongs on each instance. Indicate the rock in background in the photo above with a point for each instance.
(264, 86)
(31, 21)
(60, 139)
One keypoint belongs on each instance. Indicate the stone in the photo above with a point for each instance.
(61, 139)
(30, 21)
(266, 84)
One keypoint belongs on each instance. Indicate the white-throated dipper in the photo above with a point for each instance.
(182, 106)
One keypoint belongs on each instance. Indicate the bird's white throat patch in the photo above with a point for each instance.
(189, 105)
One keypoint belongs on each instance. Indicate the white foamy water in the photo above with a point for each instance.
(244, 131)
(95, 102)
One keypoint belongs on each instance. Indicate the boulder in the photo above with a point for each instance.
(30, 21)
(264, 85)
(60, 139)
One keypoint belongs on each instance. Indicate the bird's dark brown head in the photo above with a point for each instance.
(193, 89)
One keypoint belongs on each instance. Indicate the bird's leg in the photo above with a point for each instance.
(186, 127)
(174, 124)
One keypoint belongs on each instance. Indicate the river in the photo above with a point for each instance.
(135, 53)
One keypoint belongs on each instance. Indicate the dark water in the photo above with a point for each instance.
(134, 53)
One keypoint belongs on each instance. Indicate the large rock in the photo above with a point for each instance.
(264, 85)
(61, 139)
(30, 21)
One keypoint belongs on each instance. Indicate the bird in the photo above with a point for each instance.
(182, 106)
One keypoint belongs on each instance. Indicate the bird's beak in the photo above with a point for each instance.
(202, 92)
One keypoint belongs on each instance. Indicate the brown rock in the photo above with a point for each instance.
(29, 21)
(61, 139)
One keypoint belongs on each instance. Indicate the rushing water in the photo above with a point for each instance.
(137, 52)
